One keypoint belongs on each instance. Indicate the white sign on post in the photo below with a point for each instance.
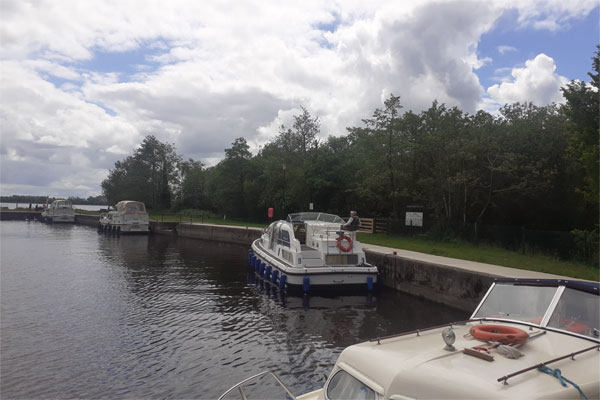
(414, 219)
(310, 206)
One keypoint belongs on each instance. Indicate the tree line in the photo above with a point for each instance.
(26, 199)
(531, 166)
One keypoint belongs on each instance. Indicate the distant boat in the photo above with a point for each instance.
(310, 250)
(129, 217)
(59, 210)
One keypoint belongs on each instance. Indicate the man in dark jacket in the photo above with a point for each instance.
(353, 222)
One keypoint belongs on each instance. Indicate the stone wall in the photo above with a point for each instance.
(19, 215)
(458, 288)
(88, 220)
(219, 233)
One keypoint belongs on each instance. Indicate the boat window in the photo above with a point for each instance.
(344, 386)
(523, 303)
(285, 238)
(577, 312)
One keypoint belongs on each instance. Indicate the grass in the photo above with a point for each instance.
(485, 254)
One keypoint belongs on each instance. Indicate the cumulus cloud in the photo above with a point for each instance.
(537, 83)
(83, 82)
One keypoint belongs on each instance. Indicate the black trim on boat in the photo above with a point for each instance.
(584, 286)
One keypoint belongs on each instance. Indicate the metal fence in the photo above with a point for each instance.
(575, 245)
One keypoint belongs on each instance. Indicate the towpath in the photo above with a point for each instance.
(467, 266)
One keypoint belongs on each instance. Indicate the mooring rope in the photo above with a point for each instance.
(556, 373)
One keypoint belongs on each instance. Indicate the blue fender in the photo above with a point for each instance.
(306, 284)
(282, 281)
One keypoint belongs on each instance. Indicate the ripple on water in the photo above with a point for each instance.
(95, 316)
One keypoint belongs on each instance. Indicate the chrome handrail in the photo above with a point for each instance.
(255, 378)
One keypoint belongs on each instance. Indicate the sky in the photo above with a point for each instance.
(83, 82)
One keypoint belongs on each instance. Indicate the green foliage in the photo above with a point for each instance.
(583, 134)
(150, 175)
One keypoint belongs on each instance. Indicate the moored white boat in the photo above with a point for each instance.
(310, 250)
(129, 217)
(527, 339)
(59, 210)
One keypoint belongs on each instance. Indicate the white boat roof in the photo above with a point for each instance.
(419, 367)
(131, 207)
(560, 317)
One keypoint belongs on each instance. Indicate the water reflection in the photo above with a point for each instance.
(92, 316)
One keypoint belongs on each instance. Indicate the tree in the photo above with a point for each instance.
(583, 131)
(229, 179)
(193, 181)
(150, 175)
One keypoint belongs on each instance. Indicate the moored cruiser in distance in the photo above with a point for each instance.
(59, 210)
(311, 250)
(527, 339)
(129, 217)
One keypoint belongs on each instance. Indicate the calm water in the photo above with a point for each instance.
(85, 315)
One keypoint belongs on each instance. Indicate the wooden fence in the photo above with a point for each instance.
(373, 225)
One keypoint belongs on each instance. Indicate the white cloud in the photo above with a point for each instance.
(551, 14)
(201, 73)
(537, 83)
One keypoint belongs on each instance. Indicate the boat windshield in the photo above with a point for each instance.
(314, 216)
(574, 310)
(131, 207)
(577, 312)
(62, 204)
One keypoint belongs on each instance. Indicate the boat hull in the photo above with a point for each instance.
(364, 276)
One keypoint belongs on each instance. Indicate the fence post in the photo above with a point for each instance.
(161, 218)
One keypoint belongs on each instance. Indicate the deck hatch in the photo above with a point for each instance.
(341, 259)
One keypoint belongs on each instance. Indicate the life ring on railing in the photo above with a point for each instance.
(499, 333)
(341, 239)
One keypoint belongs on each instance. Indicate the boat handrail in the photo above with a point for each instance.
(418, 331)
(256, 378)
(504, 379)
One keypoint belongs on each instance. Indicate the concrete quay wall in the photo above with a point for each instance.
(19, 215)
(458, 288)
(88, 220)
(220, 233)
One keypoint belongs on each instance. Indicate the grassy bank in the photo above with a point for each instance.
(485, 254)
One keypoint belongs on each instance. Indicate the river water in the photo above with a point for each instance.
(84, 315)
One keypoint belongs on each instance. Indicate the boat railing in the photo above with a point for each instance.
(253, 380)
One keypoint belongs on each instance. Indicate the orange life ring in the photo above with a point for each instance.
(341, 246)
(499, 333)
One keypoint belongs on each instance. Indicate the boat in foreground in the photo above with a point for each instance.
(129, 217)
(310, 250)
(527, 339)
(59, 210)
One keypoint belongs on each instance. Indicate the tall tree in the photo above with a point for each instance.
(150, 175)
(193, 185)
(583, 132)
(229, 180)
